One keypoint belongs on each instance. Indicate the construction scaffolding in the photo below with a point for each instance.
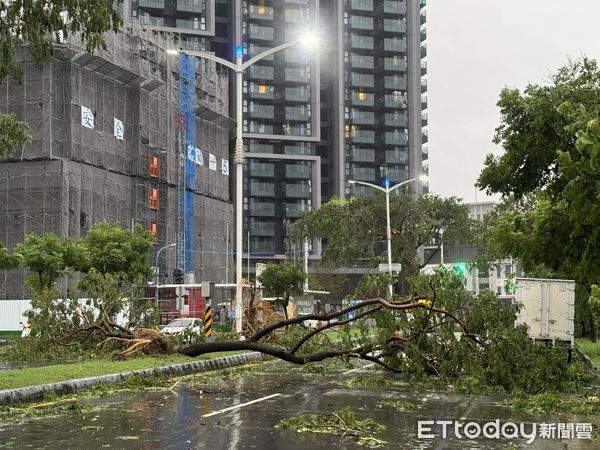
(105, 148)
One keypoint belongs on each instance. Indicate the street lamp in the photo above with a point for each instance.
(156, 271)
(386, 190)
(239, 67)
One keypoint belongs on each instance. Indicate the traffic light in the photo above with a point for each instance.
(460, 268)
(178, 276)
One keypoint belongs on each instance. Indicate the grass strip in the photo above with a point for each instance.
(32, 376)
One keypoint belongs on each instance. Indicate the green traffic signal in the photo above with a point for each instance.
(460, 268)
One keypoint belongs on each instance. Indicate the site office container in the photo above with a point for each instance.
(548, 308)
(190, 305)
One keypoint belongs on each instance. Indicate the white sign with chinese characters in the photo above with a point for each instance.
(225, 166)
(87, 117)
(199, 157)
(191, 150)
(212, 162)
(119, 129)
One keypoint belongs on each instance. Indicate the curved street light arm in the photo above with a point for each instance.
(374, 186)
(403, 183)
(211, 57)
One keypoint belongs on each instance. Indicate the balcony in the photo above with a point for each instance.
(298, 2)
(396, 120)
(260, 33)
(297, 56)
(394, 7)
(423, 51)
(397, 175)
(423, 102)
(296, 130)
(296, 16)
(394, 45)
(260, 12)
(394, 64)
(298, 171)
(361, 5)
(262, 247)
(361, 42)
(423, 34)
(194, 24)
(396, 82)
(395, 101)
(362, 62)
(261, 72)
(363, 155)
(259, 127)
(363, 99)
(293, 210)
(424, 119)
(261, 91)
(423, 85)
(300, 75)
(257, 111)
(424, 137)
(396, 157)
(423, 68)
(262, 228)
(394, 25)
(297, 113)
(363, 174)
(424, 153)
(194, 6)
(157, 4)
(363, 80)
(257, 169)
(262, 209)
(361, 22)
(299, 94)
(146, 19)
(297, 190)
(395, 138)
(255, 146)
(423, 17)
(363, 136)
(262, 189)
(254, 50)
(362, 117)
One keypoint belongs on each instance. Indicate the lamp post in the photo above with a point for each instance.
(239, 67)
(386, 190)
(156, 271)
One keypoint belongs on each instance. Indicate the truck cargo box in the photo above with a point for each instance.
(548, 308)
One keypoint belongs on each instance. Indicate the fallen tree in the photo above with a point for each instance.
(441, 332)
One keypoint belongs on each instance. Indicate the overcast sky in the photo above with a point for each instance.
(476, 47)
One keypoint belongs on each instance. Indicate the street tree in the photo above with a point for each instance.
(356, 229)
(283, 280)
(36, 26)
(549, 177)
(105, 267)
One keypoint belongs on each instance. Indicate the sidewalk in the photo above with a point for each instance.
(36, 393)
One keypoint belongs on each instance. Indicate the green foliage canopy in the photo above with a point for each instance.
(549, 174)
(356, 229)
(283, 280)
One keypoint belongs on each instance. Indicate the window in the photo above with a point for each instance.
(153, 198)
(153, 228)
(154, 166)
(262, 89)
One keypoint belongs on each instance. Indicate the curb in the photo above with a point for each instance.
(34, 393)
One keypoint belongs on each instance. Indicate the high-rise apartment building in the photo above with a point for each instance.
(312, 120)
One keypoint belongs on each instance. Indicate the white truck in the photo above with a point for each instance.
(548, 308)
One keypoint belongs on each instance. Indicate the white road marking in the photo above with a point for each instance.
(358, 368)
(241, 405)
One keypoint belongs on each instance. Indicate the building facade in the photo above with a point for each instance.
(108, 134)
(313, 120)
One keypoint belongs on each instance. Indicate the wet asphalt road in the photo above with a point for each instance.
(207, 417)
